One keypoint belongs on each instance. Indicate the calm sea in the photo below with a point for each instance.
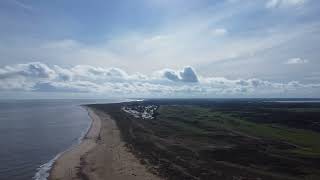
(34, 132)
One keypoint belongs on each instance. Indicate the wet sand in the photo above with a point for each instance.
(101, 155)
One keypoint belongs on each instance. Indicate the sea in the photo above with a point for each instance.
(33, 133)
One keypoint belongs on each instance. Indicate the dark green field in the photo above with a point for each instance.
(207, 139)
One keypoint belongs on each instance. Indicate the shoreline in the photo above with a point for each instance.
(66, 164)
(102, 154)
(44, 170)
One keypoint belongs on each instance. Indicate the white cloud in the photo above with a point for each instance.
(190, 39)
(22, 5)
(187, 75)
(219, 32)
(284, 3)
(37, 77)
(152, 52)
(297, 61)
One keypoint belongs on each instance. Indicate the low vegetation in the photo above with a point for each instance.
(223, 140)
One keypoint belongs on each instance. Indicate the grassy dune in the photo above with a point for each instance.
(204, 140)
(194, 118)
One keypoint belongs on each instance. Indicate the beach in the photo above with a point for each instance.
(101, 155)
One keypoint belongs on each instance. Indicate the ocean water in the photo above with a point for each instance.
(34, 132)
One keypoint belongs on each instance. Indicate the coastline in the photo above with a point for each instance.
(44, 171)
(101, 155)
(66, 164)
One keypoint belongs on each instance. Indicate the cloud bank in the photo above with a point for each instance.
(284, 3)
(297, 61)
(186, 75)
(39, 77)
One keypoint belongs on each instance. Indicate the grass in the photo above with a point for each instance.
(192, 118)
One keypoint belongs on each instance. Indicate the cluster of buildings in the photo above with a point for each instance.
(141, 111)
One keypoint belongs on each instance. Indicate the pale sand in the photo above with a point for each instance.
(103, 155)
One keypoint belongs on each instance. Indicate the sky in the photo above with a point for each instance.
(159, 48)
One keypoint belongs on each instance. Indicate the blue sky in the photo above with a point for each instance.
(229, 45)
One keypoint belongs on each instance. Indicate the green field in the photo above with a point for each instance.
(193, 118)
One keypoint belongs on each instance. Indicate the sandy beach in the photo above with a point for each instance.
(101, 155)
